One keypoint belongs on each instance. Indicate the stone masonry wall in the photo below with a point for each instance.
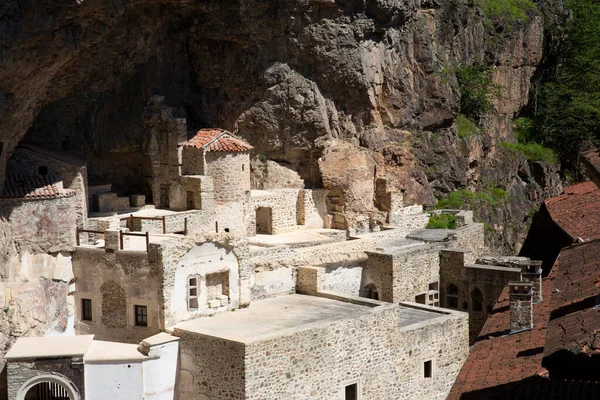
(457, 268)
(231, 174)
(317, 363)
(41, 226)
(283, 203)
(469, 237)
(115, 282)
(210, 368)
(20, 372)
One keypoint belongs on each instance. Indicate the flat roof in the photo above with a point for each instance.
(288, 314)
(398, 247)
(100, 351)
(429, 235)
(493, 267)
(49, 347)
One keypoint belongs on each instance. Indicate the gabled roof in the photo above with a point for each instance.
(217, 140)
(37, 187)
(498, 358)
(573, 319)
(577, 211)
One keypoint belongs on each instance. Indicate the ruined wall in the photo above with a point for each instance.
(115, 282)
(40, 226)
(231, 175)
(282, 202)
(469, 237)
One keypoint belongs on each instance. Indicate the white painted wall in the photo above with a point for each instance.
(202, 260)
(160, 374)
(114, 381)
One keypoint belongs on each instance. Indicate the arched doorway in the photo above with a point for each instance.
(50, 387)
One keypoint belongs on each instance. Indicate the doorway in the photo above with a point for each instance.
(264, 220)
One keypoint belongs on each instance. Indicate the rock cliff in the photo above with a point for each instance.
(338, 94)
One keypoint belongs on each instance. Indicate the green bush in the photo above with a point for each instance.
(441, 221)
(476, 90)
(488, 197)
(531, 151)
(466, 127)
(510, 11)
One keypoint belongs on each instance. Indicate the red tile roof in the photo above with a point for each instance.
(30, 187)
(577, 211)
(218, 140)
(573, 319)
(498, 358)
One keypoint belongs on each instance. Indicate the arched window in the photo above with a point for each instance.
(452, 296)
(477, 300)
(48, 386)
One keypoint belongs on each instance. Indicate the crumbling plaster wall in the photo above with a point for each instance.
(41, 226)
(115, 282)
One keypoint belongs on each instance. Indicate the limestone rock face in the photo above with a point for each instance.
(299, 79)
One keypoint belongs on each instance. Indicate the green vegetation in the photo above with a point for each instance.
(476, 90)
(466, 127)
(510, 11)
(531, 151)
(488, 197)
(567, 107)
(441, 221)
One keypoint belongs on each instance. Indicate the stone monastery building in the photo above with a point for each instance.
(203, 288)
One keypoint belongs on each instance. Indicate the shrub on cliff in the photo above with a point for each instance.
(441, 221)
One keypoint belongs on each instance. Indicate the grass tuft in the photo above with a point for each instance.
(441, 221)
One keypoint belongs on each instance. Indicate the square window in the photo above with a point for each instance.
(86, 309)
(351, 392)
(141, 315)
(428, 369)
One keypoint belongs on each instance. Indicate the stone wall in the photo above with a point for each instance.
(210, 368)
(231, 175)
(73, 175)
(403, 274)
(66, 369)
(283, 205)
(457, 268)
(116, 282)
(41, 226)
(181, 261)
(318, 361)
(273, 282)
(469, 237)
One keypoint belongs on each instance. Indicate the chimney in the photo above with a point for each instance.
(532, 272)
(521, 306)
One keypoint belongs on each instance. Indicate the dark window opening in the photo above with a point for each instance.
(351, 392)
(141, 315)
(428, 369)
(488, 309)
(43, 170)
(465, 305)
(477, 300)
(452, 296)
(86, 309)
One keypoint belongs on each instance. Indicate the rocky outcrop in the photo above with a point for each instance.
(340, 93)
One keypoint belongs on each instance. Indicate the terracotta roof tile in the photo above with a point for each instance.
(30, 187)
(498, 358)
(218, 140)
(573, 319)
(577, 211)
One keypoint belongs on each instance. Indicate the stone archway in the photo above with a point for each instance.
(52, 387)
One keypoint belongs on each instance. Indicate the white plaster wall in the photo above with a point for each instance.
(202, 260)
(114, 381)
(345, 278)
(273, 283)
(160, 374)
